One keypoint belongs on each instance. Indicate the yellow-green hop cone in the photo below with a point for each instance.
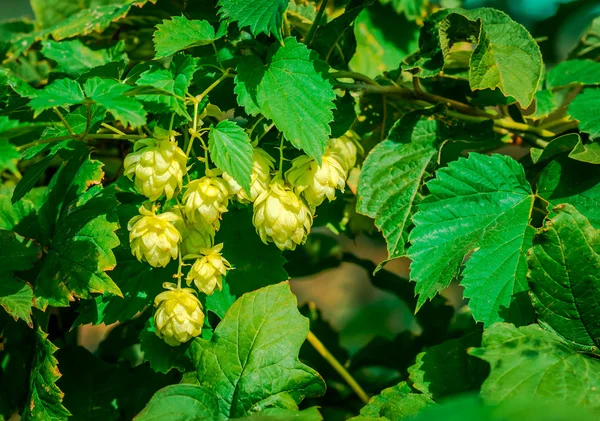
(316, 182)
(262, 165)
(281, 217)
(206, 199)
(154, 238)
(345, 148)
(195, 235)
(179, 315)
(157, 167)
(208, 270)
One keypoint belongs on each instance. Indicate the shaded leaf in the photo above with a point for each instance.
(394, 403)
(16, 297)
(585, 108)
(574, 72)
(162, 357)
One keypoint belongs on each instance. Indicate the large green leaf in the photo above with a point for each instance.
(180, 33)
(45, 398)
(110, 94)
(564, 275)
(251, 362)
(175, 81)
(571, 143)
(232, 152)
(394, 403)
(262, 16)
(294, 91)
(574, 72)
(586, 108)
(576, 183)
(446, 369)
(60, 93)
(181, 402)
(392, 175)
(535, 363)
(478, 207)
(74, 58)
(502, 47)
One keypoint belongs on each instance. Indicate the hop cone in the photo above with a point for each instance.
(207, 271)
(179, 315)
(206, 199)
(154, 238)
(195, 235)
(345, 149)
(281, 217)
(316, 182)
(157, 167)
(259, 180)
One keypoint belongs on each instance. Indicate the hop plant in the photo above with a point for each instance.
(206, 199)
(195, 235)
(157, 167)
(345, 149)
(262, 165)
(154, 238)
(208, 270)
(281, 216)
(179, 315)
(316, 182)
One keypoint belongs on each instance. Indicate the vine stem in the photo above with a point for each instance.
(224, 76)
(281, 155)
(179, 273)
(313, 29)
(324, 352)
(62, 118)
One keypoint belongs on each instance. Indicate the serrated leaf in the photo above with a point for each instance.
(181, 402)
(175, 81)
(20, 217)
(256, 264)
(110, 94)
(231, 151)
(502, 45)
(180, 33)
(586, 108)
(252, 360)
(572, 182)
(479, 205)
(74, 58)
(564, 276)
(45, 398)
(16, 254)
(529, 361)
(14, 128)
(162, 357)
(394, 403)
(294, 91)
(262, 16)
(16, 297)
(434, 368)
(392, 175)
(574, 72)
(60, 93)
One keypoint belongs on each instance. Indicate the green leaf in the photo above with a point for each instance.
(232, 152)
(20, 217)
(181, 402)
(8, 156)
(31, 177)
(60, 93)
(572, 182)
(502, 45)
(180, 33)
(394, 403)
(446, 369)
(532, 362)
(412, 9)
(571, 143)
(74, 58)
(16, 254)
(392, 175)
(110, 94)
(380, 46)
(256, 264)
(574, 72)
(279, 414)
(162, 357)
(545, 104)
(251, 363)
(45, 398)
(585, 108)
(294, 91)
(14, 128)
(479, 205)
(262, 16)
(564, 275)
(16, 297)
(175, 81)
